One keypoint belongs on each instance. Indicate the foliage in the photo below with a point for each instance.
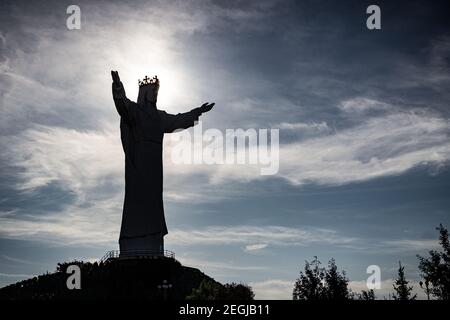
(402, 290)
(367, 295)
(435, 269)
(211, 290)
(208, 290)
(318, 283)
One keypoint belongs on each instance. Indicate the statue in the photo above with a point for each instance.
(142, 128)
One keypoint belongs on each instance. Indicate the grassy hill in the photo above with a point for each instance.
(139, 279)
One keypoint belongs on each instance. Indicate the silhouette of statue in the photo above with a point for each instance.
(142, 128)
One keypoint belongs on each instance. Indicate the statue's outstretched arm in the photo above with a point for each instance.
(172, 122)
(123, 104)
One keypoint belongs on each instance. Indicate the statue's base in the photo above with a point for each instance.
(148, 245)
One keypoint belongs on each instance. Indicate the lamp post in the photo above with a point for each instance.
(164, 287)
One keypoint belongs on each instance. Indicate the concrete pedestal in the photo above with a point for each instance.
(151, 245)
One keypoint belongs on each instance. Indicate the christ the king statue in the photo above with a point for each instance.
(142, 128)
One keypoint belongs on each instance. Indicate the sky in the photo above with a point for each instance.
(363, 118)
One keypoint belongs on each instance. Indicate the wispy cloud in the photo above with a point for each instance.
(76, 159)
(217, 265)
(20, 261)
(86, 225)
(410, 245)
(254, 237)
(273, 289)
(380, 146)
(322, 126)
(255, 247)
(83, 226)
(362, 104)
(16, 275)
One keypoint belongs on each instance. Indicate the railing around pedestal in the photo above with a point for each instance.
(116, 254)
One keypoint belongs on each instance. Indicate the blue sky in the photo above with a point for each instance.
(363, 119)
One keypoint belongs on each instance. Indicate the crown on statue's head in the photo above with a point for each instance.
(149, 81)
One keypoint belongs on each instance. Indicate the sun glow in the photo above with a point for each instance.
(149, 56)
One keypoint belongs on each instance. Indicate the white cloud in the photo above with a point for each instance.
(272, 289)
(251, 235)
(95, 224)
(100, 225)
(361, 104)
(322, 126)
(16, 275)
(304, 130)
(255, 247)
(16, 260)
(215, 266)
(78, 160)
(412, 245)
(380, 146)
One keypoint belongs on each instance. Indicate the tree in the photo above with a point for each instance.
(335, 283)
(309, 286)
(435, 270)
(236, 291)
(208, 290)
(317, 283)
(427, 287)
(402, 290)
(368, 295)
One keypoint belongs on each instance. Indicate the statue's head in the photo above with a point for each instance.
(148, 91)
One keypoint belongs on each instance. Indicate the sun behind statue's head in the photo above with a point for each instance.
(148, 91)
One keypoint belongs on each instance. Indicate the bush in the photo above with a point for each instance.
(210, 290)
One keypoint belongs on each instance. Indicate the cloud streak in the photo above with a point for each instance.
(380, 146)
(273, 289)
(249, 236)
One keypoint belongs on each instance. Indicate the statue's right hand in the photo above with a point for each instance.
(206, 107)
(115, 77)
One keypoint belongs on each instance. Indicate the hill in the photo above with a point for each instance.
(137, 279)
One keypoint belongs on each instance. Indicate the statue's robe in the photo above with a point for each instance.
(142, 130)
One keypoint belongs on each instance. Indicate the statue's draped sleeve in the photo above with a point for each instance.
(172, 122)
(124, 105)
(127, 112)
